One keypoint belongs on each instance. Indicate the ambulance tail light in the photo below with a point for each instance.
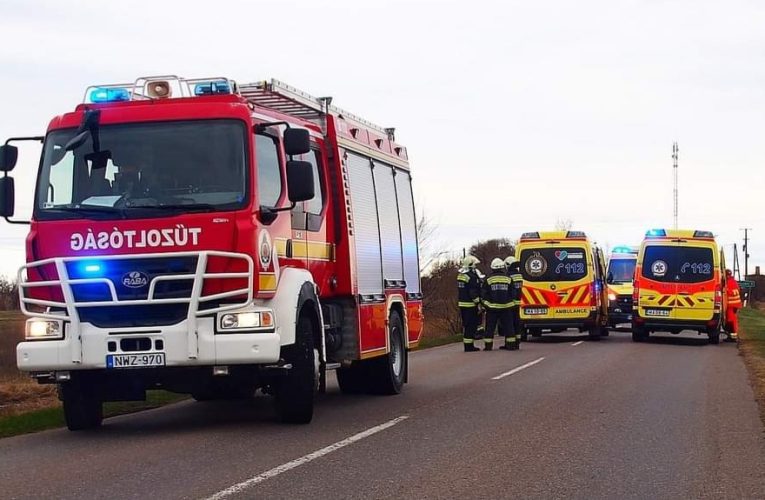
(635, 293)
(718, 297)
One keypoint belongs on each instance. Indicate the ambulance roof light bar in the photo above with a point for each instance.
(530, 235)
(703, 234)
(624, 249)
(575, 234)
(159, 87)
(656, 233)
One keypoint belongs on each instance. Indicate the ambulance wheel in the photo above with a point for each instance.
(387, 373)
(83, 408)
(294, 391)
(352, 380)
(714, 336)
(639, 334)
(594, 333)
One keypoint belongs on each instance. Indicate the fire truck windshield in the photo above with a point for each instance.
(151, 169)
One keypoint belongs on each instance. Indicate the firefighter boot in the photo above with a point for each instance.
(507, 345)
(469, 345)
(516, 345)
(488, 343)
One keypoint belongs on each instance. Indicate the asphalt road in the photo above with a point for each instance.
(672, 418)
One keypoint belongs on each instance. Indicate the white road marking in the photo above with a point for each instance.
(240, 487)
(577, 343)
(517, 369)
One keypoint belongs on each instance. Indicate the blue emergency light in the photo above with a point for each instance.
(212, 88)
(622, 250)
(91, 268)
(654, 233)
(109, 95)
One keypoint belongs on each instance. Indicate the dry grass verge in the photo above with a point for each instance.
(752, 348)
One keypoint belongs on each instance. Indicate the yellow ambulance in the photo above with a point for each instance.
(619, 276)
(679, 284)
(564, 284)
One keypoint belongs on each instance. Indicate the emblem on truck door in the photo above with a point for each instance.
(265, 249)
(135, 279)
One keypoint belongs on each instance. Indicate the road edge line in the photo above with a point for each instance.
(517, 369)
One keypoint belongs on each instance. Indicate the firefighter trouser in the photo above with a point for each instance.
(731, 321)
(470, 320)
(516, 312)
(502, 318)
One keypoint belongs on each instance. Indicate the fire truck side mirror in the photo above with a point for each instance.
(8, 156)
(7, 195)
(300, 181)
(297, 141)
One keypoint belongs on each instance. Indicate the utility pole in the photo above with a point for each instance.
(675, 151)
(746, 252)
(736, 265)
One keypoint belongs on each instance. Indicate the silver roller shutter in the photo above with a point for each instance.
(387, 211)
(408, 231)
(366, 231)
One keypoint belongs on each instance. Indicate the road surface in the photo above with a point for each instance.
(672, 418)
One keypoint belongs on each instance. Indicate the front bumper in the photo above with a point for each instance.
(87, 348)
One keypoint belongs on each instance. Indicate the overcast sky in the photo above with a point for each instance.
(515, 114)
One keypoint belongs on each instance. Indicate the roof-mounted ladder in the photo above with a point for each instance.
(277, 95)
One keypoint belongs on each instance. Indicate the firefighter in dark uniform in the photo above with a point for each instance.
(497, 297)
(469, 300)
(514, 273)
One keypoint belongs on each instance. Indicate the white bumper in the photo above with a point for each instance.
(212, 349)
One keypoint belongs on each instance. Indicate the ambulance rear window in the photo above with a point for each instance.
(554, 264)
(680, 264)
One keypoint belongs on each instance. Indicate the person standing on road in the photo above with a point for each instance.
(498, 301)
(468, 300)
(514, 273)
(734, 304)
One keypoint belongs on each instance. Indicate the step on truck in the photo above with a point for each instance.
(210, 238)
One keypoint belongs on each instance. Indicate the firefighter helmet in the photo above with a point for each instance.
(470, 261)
(510, 260)
(497, 264)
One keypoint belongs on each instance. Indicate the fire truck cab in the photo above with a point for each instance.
(212, 238)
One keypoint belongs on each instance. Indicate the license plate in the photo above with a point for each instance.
(135, 360)
(535, 311)
(657, 312)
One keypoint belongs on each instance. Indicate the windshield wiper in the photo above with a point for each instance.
(90, 208)
(179, 206)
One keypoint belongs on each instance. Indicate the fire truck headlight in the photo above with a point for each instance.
(246, 320)
(611, 297)
(37, 329)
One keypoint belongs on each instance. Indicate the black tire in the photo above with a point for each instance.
(714, 336)
(352, 380)
(594, 333)
(294, 392)
(386, 374)
(605, 332)
(639, 334)
(83, 408)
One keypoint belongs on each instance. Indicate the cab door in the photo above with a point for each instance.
(697, 274)
(658, 286)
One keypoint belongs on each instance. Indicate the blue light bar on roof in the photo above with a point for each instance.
(528, 236)
(703, 234)
(655, 233)
(212, 88)
(622, 250)
(109, 95)
(575, 234)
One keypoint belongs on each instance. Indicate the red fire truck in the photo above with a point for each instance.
(212, 238)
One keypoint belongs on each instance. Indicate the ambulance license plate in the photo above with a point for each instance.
(135, 360)
(535, 311)
(657, 312)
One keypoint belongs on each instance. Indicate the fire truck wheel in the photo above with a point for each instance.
(352, 380)
(387, 373)
(83, 408)
(294, 392)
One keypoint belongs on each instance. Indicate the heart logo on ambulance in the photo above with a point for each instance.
(561, 254)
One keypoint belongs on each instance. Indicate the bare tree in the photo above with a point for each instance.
(429, 251)
(9, 294)
(563, 224)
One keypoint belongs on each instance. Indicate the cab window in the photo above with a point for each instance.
(269, 173)
(316, 204)
(554, 264)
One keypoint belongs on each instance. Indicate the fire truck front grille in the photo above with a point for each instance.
(134, 316)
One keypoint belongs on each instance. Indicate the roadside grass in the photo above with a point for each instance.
(752, 347)
(50, 418)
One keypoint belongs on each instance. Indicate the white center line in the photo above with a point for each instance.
(240, 487)
(517, 369)
(577, 343)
